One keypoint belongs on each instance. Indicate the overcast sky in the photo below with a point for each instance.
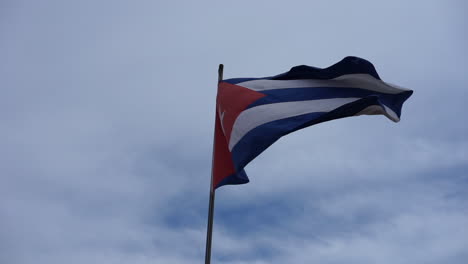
(107, 114)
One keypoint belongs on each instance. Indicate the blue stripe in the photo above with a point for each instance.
(348, 65)
(393, 101)
(261, 137)
(236, 178)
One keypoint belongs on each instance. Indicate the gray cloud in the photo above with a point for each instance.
(107, 114)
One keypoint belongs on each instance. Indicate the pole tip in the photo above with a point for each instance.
(220, 72)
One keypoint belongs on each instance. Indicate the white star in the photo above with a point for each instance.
(221, 117)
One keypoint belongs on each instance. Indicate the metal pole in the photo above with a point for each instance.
(209, 230)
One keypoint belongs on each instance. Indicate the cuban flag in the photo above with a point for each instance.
(253, 113)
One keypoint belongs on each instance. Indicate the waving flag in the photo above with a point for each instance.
(252, 113)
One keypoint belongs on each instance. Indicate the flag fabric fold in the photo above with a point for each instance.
(253, 113)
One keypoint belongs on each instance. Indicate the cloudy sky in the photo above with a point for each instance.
(107, 113)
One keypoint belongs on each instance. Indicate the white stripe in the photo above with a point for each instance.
(378, 110)
(390, 114)
(362, 81)
(262, 114)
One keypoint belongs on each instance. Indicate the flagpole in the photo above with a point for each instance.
(209, 229)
